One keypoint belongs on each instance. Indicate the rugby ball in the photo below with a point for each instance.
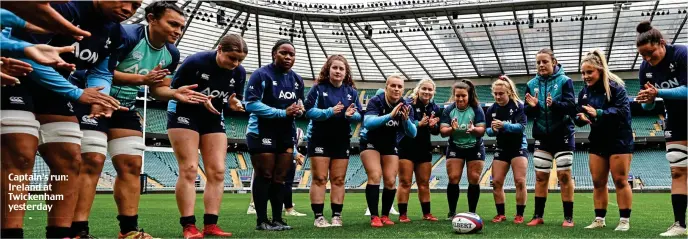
(466, 223)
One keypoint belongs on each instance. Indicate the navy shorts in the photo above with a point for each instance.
(382, 148)
(416, 155)
(16, 98)
(554, 145)
(119, 120)
(268, 144)
(201, 123)
(508, 155)
(333, 149)
(49, 102)
(606, 150)
(673, 132)
(467, 154)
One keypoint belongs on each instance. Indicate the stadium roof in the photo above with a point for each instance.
(431, 38)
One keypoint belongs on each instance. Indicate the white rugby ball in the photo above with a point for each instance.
(466, 223)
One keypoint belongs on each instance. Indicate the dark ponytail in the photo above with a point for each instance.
(468, 86)
(647, 34)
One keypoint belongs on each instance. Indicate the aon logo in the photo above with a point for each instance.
(668, 84)
(215, 93)
(393, 123)
(134, 69)
(287, 95)
(85, 54)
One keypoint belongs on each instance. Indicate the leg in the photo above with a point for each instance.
(405, 181)
(185, 144)
(519, 166)
(371, 163)
(599, 170)
(61, 139)
(423, 171)
(454, 171)
(282, 165)
(213, 149)
(543, 163)
(337, 180)
(88, 176)
(263, 166)
(619, 165)
(676, 154)
(319, 171)
(390, 168)
(499, 171)
(564, 161)
(126, 147)
(475, 169)
(18, 157)
(288, 184)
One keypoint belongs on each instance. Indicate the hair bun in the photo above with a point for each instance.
(644, 26)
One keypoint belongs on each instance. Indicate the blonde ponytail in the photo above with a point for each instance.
(509, 85)
(597, 59)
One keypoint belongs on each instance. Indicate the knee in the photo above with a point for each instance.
(390, 183)
(23, 160)
(216, 176)
(474, 178)
(564, 179)
(320, 180)
(405, 183)
(374, 177)
(337, 181)
(520, 183)
(621, 182)
(423, 186)
(66, 162)
(678, 172)
(542, 178)
(454, 179)
(93, 164)
(188, 172)
(497, 184)
(126, 167)
(599, 184)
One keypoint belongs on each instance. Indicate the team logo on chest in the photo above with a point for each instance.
(231, 82)
(511, 111)
(585, 96)
(556, 87)
(648, 75)
(494, 115)
(107, 43)
(287, 95)
(418, 110)
(671, 67)
(296, 85)
(205, 76)
(137, 55)
(274, 83)
(348, 96)
(324, 94)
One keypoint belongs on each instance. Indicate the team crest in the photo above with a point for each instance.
(671, 67)
(324, 94)
(296, 85)
(274, 83)
(205, 76)
(137, 55)
(585, 96)
(231, 82)
(348, 96)
(648, 75)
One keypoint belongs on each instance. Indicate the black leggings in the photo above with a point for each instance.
(271, 171)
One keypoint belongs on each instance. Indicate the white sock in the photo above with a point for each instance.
(599, 218)
(624, 219)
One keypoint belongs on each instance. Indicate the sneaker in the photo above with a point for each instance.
(568, 222)
(190, 232)
(84, 235)
(138, 234)
(518, 219)
(393, 211)
(375, 221)
(251, 209)
(674, 230)
(267, 226)
(404, 219)
(429, 217)
(294, 213)
(214, 230)
(367, 213)
(385, 220)
(623, 226)
(498, 218)
(336, 221)
(536, 221)
(281, 224)
(598, 223)
(321, 222)
(450, 216)
(284, 209)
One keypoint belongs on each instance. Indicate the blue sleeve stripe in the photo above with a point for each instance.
(678, 93)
